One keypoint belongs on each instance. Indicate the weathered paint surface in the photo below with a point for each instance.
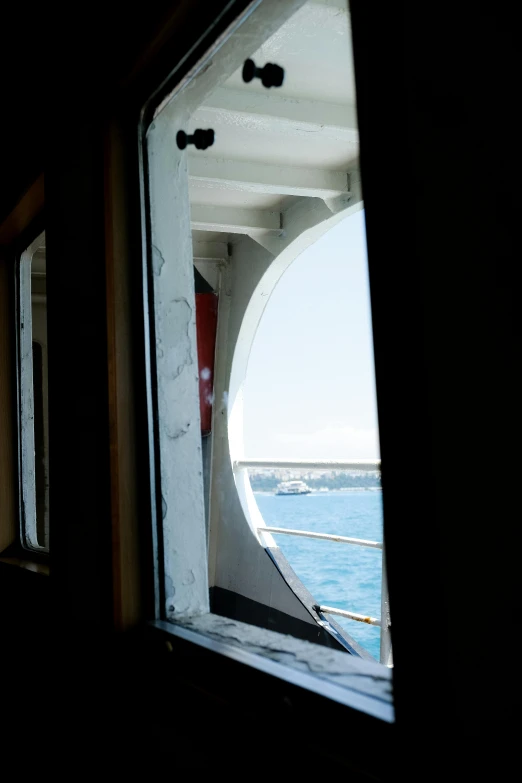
(177, 378)
(367, 677)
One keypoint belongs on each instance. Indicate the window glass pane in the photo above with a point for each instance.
(34, 423)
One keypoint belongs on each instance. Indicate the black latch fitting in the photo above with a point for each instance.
(200, 138)
(271, 75)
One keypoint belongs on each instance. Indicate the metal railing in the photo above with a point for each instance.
(384, 621)
(324, 536)
(361, 618)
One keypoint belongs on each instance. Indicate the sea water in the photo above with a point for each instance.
(344, 576)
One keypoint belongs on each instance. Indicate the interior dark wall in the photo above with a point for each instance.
(60, 63)
(440, 166)
(79, 494)
(90, 68)
(437, 91)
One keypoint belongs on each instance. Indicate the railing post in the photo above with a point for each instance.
(386, 647)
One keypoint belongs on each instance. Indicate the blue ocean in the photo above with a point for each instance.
(341, 575)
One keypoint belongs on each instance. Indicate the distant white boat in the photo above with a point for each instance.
(292, 488)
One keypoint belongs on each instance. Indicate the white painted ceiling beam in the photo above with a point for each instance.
(340, 203)
(210, 251)
(306, 214)
(264, 178)
(340, 5)
(279, 115)
(233, 220)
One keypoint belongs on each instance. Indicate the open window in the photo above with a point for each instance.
(248, 162)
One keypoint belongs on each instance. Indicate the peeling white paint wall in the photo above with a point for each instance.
(185, 548)
(181, 466)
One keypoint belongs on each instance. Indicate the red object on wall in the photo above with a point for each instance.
(206, 327)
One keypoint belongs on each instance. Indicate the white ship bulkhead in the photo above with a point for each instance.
(282, 171)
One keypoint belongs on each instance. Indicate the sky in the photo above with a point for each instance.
(310, 383)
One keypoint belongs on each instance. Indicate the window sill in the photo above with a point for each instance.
(21, 558)
(361, 685)
(28, 565)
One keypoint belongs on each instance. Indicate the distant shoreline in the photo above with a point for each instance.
(322, 492)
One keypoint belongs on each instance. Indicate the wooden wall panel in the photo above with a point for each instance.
(127, 593)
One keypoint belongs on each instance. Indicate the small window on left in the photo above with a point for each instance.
(32, 397)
